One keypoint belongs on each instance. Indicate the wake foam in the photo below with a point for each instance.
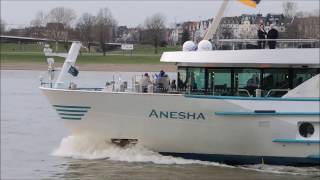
(88, 147)
(93, 147)
(306, 171)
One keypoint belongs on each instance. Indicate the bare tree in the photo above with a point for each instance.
(185, 36)
(62, 15)
(59, 22)
(39, 20)
(104, 27)
(38, 24)
(155, 25)
(85, 27)
(289, 8)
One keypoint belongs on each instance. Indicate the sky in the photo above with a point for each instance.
(19, 13)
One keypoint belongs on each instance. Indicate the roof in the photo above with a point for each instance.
(272, 57)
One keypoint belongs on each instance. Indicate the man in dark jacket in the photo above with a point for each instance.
(272, 34)
(262, 36)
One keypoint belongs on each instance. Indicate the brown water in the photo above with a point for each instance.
(36, 145)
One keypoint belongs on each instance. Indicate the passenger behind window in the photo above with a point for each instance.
(253, 84)
(181, 83)
(173, 85)
(192, 85)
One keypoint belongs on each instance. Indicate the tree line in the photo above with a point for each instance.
(61, 24)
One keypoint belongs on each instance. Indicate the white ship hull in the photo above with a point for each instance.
(231, 130)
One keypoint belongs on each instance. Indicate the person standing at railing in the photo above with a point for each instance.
(145, 82)
(262, 36)
(162, 82)
(272, 34)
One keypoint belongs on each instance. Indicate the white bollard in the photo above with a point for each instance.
(258, 92)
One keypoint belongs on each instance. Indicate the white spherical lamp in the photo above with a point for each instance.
(204, 45)
(189, 46)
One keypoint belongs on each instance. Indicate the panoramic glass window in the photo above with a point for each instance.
(301, 75)
(182, 78)
(247, 79)
(306, 129)
(196, 79)
(275, 79)
(219, 81)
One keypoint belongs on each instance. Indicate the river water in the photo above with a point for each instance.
(36, 145)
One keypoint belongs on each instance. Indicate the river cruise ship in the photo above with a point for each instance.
(248, 106)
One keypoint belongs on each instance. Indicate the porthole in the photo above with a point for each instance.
(306, 129)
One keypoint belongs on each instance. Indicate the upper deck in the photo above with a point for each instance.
(248, 72)
(288, 54)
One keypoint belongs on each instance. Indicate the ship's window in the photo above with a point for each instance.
(247, 79)
(306, 129)
(276, 79)
(196, 79)
(219, 81)
(191, 78)
(182, 78)
(301, 75)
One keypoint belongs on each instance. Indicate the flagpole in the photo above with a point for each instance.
(64, 77)
(216, 21)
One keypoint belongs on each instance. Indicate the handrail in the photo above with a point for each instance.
(276, 90)
(244, 90)
(281, 43)
(278, 40)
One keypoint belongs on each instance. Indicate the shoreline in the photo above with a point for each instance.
(94, 67)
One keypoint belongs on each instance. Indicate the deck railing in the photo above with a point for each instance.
(237, 44)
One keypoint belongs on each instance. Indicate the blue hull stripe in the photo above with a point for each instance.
(79, 107)
(69, 110)
(71, 118)
(250, 98)
(245, 160)
(267, 114)
(69, 114)
(296, 141)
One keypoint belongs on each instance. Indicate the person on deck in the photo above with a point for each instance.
(262, 36)
(173, 85)
(145, 82)
(272, 34)
(162, 82)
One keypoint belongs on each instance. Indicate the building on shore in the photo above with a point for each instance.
(237, 27)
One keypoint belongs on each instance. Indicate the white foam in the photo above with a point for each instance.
(306, 171)
(93, 147)
(89, 147)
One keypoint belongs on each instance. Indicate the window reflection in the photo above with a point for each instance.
(275, 79)
(301, 75)
(241, 81)
(191, 79)
(219, 82)
(182, 78)
(196, 79)
(247, 79)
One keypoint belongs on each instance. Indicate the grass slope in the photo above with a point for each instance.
(142, 54)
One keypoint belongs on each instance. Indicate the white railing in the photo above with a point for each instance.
(281, 43)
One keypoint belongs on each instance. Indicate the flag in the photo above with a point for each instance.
(73, 71)
(251, 3)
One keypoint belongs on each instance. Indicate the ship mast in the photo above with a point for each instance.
(214, 26)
